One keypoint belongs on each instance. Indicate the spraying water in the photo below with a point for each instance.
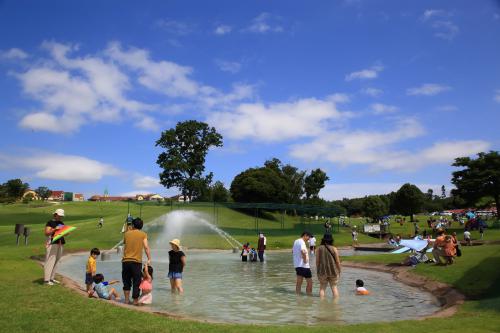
(180, 223)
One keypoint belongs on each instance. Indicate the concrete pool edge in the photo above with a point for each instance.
(449, 298)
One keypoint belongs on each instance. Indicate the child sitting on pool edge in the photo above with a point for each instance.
(102, 289)
(360, 289)
(146, 285)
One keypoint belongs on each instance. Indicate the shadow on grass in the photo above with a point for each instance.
(482, 283)
(38, 281)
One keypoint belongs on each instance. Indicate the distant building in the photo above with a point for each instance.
(153, 197)
(78, 197)
(179, 198)
(108, 198)
(56, 196)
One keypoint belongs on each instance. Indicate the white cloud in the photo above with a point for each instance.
(433, 13)
(373, 92)
(222, 30)
(13, 54)
(336, 191)
(175, 27)
(228, 66)
(145, 182)
(148, 124)
(277, 122)
(379, 108)
(375, 148)
(60, 167)
(447, 108)
(445, 29)
(441, 22)
(162, 76)
(74, 91)
(357, 147)
(174, 80)
(428, 89)
(365, 74)
(42, 121)
(265, 23)
(339, 98)
(496, 98)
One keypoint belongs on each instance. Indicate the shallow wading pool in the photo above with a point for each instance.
(219, 287)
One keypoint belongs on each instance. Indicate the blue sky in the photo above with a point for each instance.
(377, 93)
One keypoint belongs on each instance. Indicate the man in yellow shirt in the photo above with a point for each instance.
(90, 269)
(135, 242)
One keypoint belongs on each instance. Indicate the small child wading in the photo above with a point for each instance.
(146, 286)
(177, 262)
(90, 270)
(360, 288)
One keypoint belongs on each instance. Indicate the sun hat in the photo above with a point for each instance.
(59, 212)
(176, 242)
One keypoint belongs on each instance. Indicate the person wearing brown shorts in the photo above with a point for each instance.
(328, 266)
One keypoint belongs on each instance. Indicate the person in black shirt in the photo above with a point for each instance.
(177, 261)
(54, 250)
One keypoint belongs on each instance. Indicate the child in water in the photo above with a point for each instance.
(360, 288)
(253, 255)
(176, 263)
(146, 286)
(102, 289)
(90, 270)
(245, 251)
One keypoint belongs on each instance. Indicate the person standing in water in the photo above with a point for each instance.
(328, 266)
(176, 264)
(261, 246)
(301, 263)
(135, 242)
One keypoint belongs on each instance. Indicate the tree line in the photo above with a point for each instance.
(14, 189)
(183, 166)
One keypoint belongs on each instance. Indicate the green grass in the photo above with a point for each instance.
(29, 306)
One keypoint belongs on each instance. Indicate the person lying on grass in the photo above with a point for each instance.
(102, 289)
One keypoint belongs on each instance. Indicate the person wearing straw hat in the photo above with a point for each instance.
(54, 250)
(176, 264)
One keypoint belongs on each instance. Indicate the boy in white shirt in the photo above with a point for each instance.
(301, 263)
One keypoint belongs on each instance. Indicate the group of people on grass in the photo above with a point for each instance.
(136, 276)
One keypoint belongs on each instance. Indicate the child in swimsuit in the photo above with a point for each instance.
(360, 288)
(146, 285)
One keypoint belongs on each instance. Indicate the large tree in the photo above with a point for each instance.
(258, 185)
(314, 182)
(219, 192)
(293, 177)
(478, 178)
(183, 161)
(43, 192)
(14, 188)
(408, 200)
(375, 207)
